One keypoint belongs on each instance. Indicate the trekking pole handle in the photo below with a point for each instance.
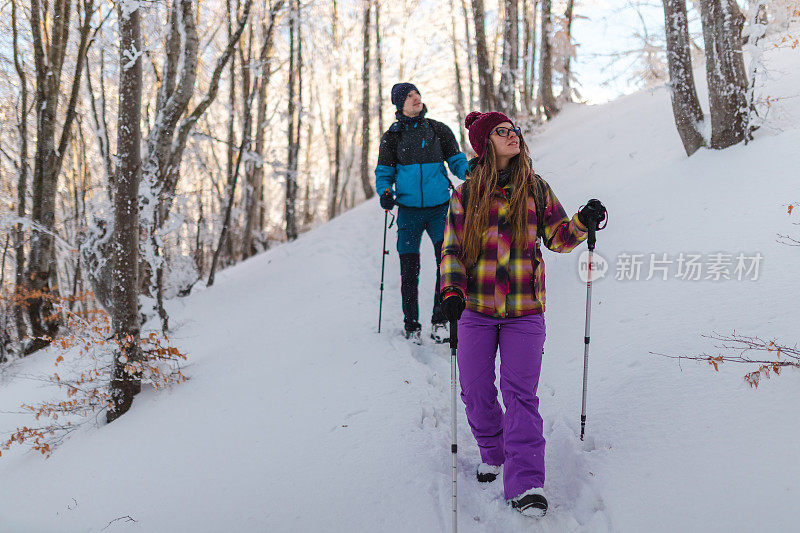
(453, 334)
(592, 237)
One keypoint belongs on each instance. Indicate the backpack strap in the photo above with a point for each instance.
(539, 191)
(434, 125)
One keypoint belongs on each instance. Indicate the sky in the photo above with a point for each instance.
(605, 29)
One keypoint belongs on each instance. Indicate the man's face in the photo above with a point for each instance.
(413, 104)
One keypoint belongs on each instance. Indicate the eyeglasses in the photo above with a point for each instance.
(504, 132)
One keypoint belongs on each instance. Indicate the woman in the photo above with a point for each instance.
(492, 265)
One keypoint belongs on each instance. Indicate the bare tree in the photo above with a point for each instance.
(230, 147)
(727, 80)
(366, 179)
(255, 169)
(485, 83)
(333, 192)
(172, 123)
(546, 97)
(508, 76)
(308, 189)
(126, 382)
(169, 133)
(226, 222)
(685, 104)
(470, 54)
(461, 112)
(99, 121)
(529, 53)
(50, 28)
(566, 67)
(22, 178)
(293, 134)
(379, 63)
(298, 127)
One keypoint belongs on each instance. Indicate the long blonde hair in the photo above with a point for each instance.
(482, 183)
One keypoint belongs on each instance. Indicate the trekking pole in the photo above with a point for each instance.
(383, 264)
(591, 241)
(454, 444)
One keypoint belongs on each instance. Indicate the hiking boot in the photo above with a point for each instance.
(488, 473)
(440, 332)
(412, 331)
(531, 502)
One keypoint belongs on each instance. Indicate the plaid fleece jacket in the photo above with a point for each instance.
(505, 281)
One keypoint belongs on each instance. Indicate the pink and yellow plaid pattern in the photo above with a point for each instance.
(506, 281)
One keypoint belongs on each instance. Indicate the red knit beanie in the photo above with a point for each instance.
(480, 125)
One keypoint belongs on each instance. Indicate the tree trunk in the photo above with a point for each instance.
(727, 82)
(566, 87)
(470, 56)
(246, 116)
(298, 128)
(548, 102)
(526, 48)
(168, 136)
(224, 234)
(685, 104)
(529, 57)
(485, 83)
(461, 112)
(230, 152)
(293, 131)
(22, 180)
(308, 208)
(379, 63)
(126, 381)
(50, 32)
(100, 123)
(333, 192)
(758, 30)
(508, 76)
(199, 248)
(244, 147)
(366, 178)
(255, 173)
(172, 101)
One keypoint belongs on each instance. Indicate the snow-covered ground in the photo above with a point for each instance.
(300, 417)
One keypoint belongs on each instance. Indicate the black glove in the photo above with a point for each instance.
(387, 202)
(592, 214)
(452, 306)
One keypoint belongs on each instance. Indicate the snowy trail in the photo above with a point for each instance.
(300, 417)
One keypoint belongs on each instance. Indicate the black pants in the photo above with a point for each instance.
(412, 222)
(409, 284)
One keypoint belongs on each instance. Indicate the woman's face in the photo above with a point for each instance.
(505, 146)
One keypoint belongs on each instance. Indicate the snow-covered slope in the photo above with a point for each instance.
(300, 417)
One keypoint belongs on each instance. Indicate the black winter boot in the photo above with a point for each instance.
(530, 503)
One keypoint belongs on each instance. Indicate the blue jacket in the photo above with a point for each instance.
(411, 162)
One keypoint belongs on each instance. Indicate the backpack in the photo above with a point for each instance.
(436, 128)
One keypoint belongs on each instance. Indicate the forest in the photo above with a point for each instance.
(146, 145)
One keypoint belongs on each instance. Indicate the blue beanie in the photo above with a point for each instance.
(400, 92)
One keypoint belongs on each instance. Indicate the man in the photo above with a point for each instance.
(411, 173)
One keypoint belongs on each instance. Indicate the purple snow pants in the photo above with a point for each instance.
(514, 438)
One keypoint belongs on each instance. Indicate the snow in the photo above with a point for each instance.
(299, 416)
